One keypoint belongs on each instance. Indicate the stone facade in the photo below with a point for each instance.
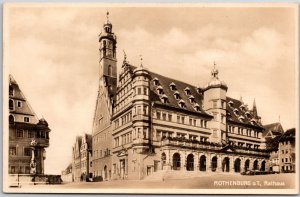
(81, 158)
(28, 136)
(147, 122)
(286, 151)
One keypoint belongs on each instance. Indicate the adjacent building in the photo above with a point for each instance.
(286, 151)
(28, 135)
(81, 158)
(66, 175)
(145, 122)
(282, 156)
(272, 130)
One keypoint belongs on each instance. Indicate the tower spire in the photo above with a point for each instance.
(141, 60)
(215, 72)
(254, 110)
(107, 17)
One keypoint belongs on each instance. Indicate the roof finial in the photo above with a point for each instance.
(279, 118)
(125, 56)
(254, 109)
(107, 16)
(141, 60)
(214, 72)
(241, 99)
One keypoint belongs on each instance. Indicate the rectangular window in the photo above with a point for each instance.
(169, 117)
(26, 119)
(194, 122)
(214, 104)
(164, 116)
(43, 134)
(139, 91)
(20, 133)
(191, 121)
(11, 91)
(13, 169)
(30, 134)
(12, 151)
(27, 151)
(282, 152)
(158, 115)
(182, 119)
(178, 119)
(19, 103)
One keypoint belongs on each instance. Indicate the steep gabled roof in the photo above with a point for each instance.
(288, 135)
(89, 140)
(19, 96)
(164, 83)
(238, 112)
(275, 129)
(272, 143)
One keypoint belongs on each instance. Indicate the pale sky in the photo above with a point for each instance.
(52, 52)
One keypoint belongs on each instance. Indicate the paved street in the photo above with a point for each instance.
(210, 181)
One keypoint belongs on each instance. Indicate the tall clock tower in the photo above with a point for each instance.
(102, 127)
(108, 43)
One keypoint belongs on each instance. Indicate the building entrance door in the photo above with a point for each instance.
(214, 163)
(105, 173)
(176, 161)
(225, 164)
(202, 166)
(190, 162)
(122, 168)
(237, 165)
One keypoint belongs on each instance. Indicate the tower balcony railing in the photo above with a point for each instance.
(140, 117)
(42, 142)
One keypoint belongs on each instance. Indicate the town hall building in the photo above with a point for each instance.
(146, 122)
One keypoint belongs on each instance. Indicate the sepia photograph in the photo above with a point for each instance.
(191, 98)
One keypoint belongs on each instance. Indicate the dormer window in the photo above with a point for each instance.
(236, 111)
(243, 107)
(172, 86)
(164, 98)
(247, 114)
(11, 91)
(181, 103)
(187, 91)
(242, 118)
(159, 89)
(197, 107)
(199, 90)
(156, 82)
(192, 98)
(253, 122)
(230, 103)
(177, 95)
